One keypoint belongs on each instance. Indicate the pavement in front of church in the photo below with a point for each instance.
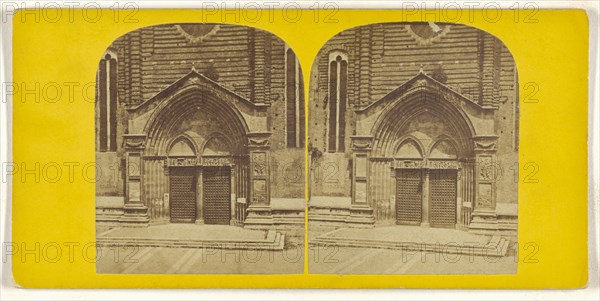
(408, 234)
(367, 251)
(377, 261)
(189, 232)
(202, 253)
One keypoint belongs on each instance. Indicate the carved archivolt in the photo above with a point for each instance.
(410, 104)
(169, 112)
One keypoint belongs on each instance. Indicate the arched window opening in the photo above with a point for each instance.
(294, 95)
(338, 85)
(107, 100)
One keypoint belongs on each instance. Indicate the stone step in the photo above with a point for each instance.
(498, 248)
(274, 241)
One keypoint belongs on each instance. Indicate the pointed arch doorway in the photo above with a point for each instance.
(182, 181)
(426, 171)
(426, 185)
(216, 173)
(200, 190)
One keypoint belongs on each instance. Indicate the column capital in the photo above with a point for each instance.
(259, 140)
(485, 144)
(134, 142)
(361, 143)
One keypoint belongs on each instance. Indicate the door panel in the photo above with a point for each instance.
(443, 198)
(216, 191)
(409, 196)
(182, 186)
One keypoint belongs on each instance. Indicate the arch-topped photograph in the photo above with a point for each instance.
(200, 125)
(414, 130)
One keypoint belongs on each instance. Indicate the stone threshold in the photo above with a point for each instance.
(479, 245)
(195, 236)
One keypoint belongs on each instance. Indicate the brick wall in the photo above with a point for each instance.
(381, 57)
(245, 60)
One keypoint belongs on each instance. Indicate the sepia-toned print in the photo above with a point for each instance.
(200, 146)
(414, 139)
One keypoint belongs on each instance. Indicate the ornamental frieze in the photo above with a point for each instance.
(411, 164)
(216, 162)
(182, 161)
(192, 161)
(443, 164)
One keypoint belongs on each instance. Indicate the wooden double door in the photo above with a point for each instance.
(433, 189)
(216, 195)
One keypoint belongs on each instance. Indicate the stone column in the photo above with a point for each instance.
(361, 214)
(468, 191)
(259, 209)
(233, 199)
(486, 173)
(199, 198)
(459, 198)
(135, 212)
(425, 202)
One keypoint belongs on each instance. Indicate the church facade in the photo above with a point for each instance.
(200, 123)
(414, 124)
